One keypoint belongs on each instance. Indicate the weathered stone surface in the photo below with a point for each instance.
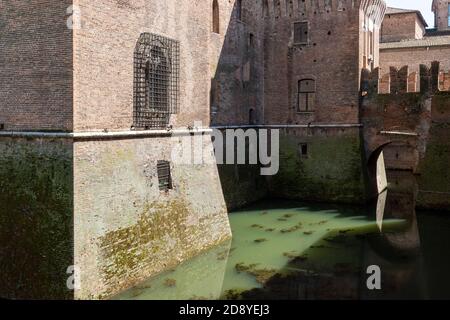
(126, 229)
(331, 172)
(36, 218)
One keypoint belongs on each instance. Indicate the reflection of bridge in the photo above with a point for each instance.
(400, 121)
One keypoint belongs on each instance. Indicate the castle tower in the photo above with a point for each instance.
(94, 99)
(441, 9)
(314, 53)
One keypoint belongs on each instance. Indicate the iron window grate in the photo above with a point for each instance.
(164, 175)
(156, 81)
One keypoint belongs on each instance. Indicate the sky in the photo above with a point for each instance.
(423, 5)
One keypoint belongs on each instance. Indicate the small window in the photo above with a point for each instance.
(301, 32)
(239, 9)
(251, 117)
(448, 15)
(164, 176)
(216, 17)
(306, 95)
(303, 150)
(265, 8)
(251, 40)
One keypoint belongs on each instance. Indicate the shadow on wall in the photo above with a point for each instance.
(236, 87)
(236, 95)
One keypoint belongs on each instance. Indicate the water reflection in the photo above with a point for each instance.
(199, 279)
(302, 251)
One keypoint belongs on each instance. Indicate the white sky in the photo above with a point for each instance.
(423, 5)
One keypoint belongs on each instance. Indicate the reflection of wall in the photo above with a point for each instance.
(199, 278)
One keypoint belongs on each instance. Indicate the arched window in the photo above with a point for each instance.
(216, 17)
(306, 95)
(156, 76)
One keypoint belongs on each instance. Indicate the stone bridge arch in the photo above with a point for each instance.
(388, 151)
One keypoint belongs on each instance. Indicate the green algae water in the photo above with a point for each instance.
(285, 250)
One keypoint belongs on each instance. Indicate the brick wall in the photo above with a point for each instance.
(413, 57)
(402, 26)
(103, 59)
(35, 65)
(237, 65)
(331, 58)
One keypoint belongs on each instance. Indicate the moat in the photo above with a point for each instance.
(294, 250)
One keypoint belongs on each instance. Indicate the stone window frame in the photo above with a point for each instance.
(307, 34)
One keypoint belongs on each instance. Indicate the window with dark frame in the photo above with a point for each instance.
(301, 32)
(156, 81)
(164, 175)
(303, 150)
(251, 40)
(216, 17)
(306, 95)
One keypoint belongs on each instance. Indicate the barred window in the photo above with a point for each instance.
(306, 95)
(156, 81)
(164, 175)
(301, 33)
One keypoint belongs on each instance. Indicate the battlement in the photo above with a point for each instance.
(275, 9)
(399, 81)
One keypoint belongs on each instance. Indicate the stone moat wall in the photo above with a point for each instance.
(96, 205)
(36, 218)
(329, 170)
(126, 229)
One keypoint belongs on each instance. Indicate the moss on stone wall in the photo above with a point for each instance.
(331, 172)
(161, 239)
(242, 184)
(434, 179)
(36, 218)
